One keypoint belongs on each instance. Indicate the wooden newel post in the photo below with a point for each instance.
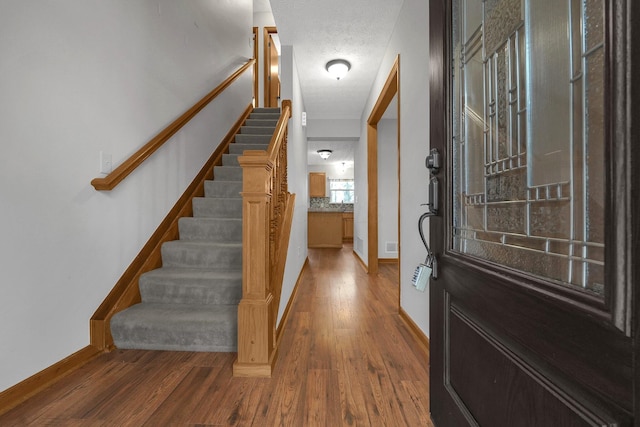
(265, 200)
(256, 325)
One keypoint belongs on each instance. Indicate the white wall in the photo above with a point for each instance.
(387, 186)
(78, 77)
(334, 170)
(297, 175)
(333, 128)
(410, 40)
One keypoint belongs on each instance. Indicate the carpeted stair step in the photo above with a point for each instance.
(258, 115)
(257, 130)
(177, 327)
(215, 229)
(237, 148)
(227, 173)
(268, 110)
(190, 286)
(230, 159)
(222, 189)
(203, 255)
(259, 122)
(217, 207)
(252, 139)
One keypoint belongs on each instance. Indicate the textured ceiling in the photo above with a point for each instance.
(322, 30)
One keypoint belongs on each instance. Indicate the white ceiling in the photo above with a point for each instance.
(322, 30)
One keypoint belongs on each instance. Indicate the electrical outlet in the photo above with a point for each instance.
(105, 163)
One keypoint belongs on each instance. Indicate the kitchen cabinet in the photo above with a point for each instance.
(347, 227)
(317, 184)
(324, 230)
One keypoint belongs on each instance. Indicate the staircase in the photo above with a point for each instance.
(191, 302)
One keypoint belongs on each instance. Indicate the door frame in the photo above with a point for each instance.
(267, 32)
(390, 89)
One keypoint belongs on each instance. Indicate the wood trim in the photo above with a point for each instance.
(399, 169)
(389, 90)
(420, 336)
(256, 72)
(360, 261)
(125, 293)
(266, 60)
(13, 396)
(287, 310)
(110, 181)
(372, 181)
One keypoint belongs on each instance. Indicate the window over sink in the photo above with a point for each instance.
(341, 191)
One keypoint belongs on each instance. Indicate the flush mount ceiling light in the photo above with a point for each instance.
(324, 154)
(338, 68)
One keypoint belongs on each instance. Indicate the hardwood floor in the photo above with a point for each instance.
(346, 358)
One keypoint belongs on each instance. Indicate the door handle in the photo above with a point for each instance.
(433, 195)
(430, 266)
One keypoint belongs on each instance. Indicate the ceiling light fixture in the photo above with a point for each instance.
(324, 154)
(338, 68)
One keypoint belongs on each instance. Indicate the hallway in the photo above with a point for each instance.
(346, 358)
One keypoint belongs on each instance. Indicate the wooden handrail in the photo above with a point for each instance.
(279, 135)
(121, 172)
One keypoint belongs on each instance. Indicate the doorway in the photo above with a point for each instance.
(389, 91)
(388, 186)
(271, 68)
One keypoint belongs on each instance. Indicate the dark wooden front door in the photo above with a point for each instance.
(534, 313)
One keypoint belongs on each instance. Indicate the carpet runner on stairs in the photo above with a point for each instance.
(191, 302)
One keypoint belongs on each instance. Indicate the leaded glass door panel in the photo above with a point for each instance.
(528, 137)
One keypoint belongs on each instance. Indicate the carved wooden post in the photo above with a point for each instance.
(255, 322)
